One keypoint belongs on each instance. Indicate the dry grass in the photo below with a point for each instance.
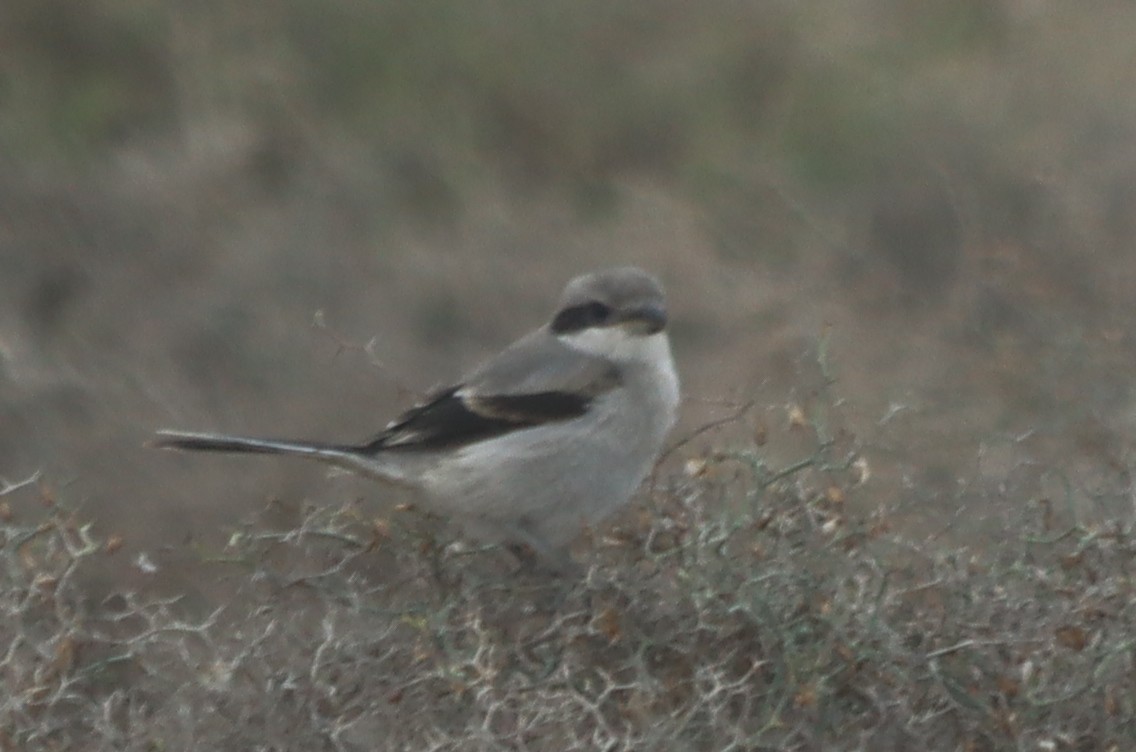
(745, 608)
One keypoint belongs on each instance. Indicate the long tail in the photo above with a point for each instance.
(339, 455)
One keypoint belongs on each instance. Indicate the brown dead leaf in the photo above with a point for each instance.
(695, 467)
(610, 624)
(1072, 637)
(1071, 561)
(806, 697)
(1008, 686)
(1111, 704)
(64, 656)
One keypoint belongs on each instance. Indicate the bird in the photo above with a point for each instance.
(552, 435)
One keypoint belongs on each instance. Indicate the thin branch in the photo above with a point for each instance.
(7, 488)
(738, 414)
(319, 321)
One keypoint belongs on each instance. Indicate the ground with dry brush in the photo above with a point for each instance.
(740, 607)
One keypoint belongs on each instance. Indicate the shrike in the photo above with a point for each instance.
(554, 433)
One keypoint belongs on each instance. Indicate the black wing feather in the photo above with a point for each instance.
(453, 419)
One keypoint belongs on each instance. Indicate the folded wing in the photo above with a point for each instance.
(535, 381)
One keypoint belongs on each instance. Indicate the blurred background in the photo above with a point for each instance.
(912, 222)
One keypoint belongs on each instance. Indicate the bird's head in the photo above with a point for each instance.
(614, 313)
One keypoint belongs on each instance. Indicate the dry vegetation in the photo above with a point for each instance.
(743, 608)
(898, 243)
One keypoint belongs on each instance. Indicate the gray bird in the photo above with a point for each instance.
(554, 433)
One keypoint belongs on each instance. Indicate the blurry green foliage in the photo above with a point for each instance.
(442, 95)
(78, 76)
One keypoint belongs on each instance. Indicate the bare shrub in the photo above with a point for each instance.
(748, 610)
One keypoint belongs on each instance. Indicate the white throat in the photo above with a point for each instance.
(617, 344)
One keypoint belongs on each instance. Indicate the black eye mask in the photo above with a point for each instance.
(583, 316)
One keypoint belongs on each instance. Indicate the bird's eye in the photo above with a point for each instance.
(579, 317)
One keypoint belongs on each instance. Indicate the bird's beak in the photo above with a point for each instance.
(647, 319)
